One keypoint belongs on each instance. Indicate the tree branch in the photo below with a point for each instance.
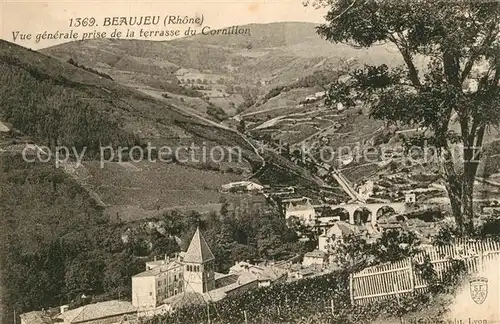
(485, 44)
(405, 53)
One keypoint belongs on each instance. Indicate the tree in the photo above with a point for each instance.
(241, 126)
(224, 208)
(461, 42)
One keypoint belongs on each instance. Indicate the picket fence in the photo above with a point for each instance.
(399, 278)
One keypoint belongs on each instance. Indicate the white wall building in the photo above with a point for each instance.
(300, 208)
(244, 185)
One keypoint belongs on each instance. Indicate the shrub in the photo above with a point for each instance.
(101, 74)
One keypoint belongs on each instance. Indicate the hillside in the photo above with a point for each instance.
(82, 109)
(228, 70)
(265, 77)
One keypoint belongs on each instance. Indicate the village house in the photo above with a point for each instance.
(161, 280)
(316, 257)
(335, 234)
(300, 208)
(36, 317)
(4, 127)
(266, 275)
(108, 312)
(320, 95)
(247, 186)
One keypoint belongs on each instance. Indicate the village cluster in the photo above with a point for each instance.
(172, 282)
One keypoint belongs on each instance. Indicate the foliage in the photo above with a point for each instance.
(317, 79)
(304, 301)
(56, 243)
(275, 304)
(490, 227)
(188, 91)
(52, 114)
(241, 126)
(81, 66)
(461, 42)
(216, 112)
(446, 235)
(354, 252)
(274, 92)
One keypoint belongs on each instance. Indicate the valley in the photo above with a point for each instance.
(282, 163)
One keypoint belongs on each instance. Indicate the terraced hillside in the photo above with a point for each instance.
(56, 103)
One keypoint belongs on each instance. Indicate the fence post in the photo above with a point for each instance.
(396, 289)
(412, 278)
(245, 314)
(351, 288)
(480, 265)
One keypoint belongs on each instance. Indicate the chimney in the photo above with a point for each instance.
(165, 257)
(155, 258)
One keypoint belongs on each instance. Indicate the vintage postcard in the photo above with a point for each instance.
(256, 162)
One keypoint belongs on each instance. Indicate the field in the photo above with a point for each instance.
(146, 186)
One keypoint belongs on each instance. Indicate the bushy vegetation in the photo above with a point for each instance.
(53, 114)
(355, 252)
(81, 66)
(190, 92)
(487, 228)
(216, 112)
(56, 243)
(274, 92)
(317, 79)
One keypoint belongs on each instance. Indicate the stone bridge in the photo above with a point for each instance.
(359, 213)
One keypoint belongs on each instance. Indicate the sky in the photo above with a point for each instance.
(36, 17)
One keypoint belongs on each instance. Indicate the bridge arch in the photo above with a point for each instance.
(362, 215)
(385, 210)
(342, 213)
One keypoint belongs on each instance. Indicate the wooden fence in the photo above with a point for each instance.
(400, 278)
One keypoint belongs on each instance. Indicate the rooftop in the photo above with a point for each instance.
(262, 272)
(192, 298)
(98, 310)
(198, 250)
(315, 254)
(295, 199)
(345, 228)
(163, 267)
(302, 204)
(35, 317)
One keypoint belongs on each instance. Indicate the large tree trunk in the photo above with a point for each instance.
(467, 202)
(455, 194)
(453, 184)
(472, 156)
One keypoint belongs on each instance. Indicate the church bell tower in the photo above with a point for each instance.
(199, 266)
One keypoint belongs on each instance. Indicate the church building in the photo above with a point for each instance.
(188, 278)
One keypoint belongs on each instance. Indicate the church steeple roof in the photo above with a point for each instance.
(198, 251)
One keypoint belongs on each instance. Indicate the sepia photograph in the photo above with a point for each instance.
(250, 162)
